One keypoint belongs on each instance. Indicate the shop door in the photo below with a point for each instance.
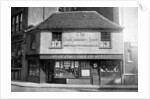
(95, 74)
(49, 71)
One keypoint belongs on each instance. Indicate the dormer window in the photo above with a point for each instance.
(56, 40)
(105, 41)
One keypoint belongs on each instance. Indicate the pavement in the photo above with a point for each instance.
(29, 86)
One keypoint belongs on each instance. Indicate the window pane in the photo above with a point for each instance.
(21, 16)
(33, 42)
(56, 39)
(76, 64)
(85, 72)
(66, 70)
(17, 19)
(105, 40)
(20, 26)
(105, 36)
(57, 65)
(33, 68)
(129, 55)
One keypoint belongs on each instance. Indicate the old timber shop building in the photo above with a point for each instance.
(81, 47)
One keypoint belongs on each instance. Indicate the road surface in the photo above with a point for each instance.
(33, 89)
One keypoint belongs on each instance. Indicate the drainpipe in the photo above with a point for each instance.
(43, 13)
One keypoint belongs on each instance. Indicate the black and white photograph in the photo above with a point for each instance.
(74, 49)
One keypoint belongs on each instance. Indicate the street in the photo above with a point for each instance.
(34, 89)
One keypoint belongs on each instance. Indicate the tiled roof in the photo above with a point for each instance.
(78, 20)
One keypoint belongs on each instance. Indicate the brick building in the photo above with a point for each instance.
(23, 18)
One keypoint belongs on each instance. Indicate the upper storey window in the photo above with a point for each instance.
(16, 22)
(33, 42)
(105, 40)
(56, 40)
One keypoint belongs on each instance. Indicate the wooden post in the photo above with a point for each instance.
(121, 71)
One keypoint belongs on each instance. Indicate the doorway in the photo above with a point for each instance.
(49, 71)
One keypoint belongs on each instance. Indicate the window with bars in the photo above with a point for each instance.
(16, 22)
(105, 40)
(56, 39)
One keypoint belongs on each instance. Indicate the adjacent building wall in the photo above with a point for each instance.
(38, 14)
(131, 63)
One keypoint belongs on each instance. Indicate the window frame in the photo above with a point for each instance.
(129, 56)
(17, 22)
(62, 68)
(110, 37)
(85, 65)
(33, 41)
(52, 41)
(33, 68)
(20, 21)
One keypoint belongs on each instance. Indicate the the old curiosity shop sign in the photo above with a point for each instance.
(81, 39)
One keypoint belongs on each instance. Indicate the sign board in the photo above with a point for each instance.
(81, 39)
(102, 56)
(85, 72)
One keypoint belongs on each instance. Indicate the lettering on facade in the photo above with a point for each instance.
(84, 57)
(81, 40)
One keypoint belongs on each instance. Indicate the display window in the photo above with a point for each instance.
(66, 69)
(33, 68)
(110, 66)
(72, 69)
(85, 69)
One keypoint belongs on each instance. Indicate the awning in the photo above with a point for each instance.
(78, 20)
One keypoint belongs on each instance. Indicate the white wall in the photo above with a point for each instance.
(117, 44)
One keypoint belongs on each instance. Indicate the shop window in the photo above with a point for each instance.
(110, 66)
(85, 69)
(105, 40)
(16, 53)
(129, 54)
(33, 68)
(33, 42)
(56, 40)
(66, 69)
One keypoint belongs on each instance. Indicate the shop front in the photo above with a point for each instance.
(68, 53)
(68, 69)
